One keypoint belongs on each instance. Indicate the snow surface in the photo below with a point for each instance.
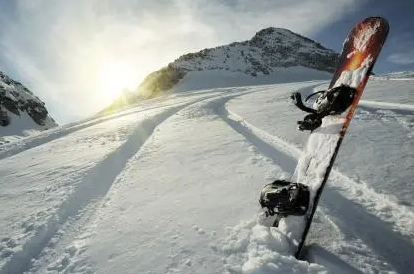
(196, 80)
(400, 75)
(172, 186)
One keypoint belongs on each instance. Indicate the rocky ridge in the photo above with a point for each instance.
(16, 101)
(270, 48)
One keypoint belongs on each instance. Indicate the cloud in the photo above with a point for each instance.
(73, 53)
(406, 58)
(403, 49)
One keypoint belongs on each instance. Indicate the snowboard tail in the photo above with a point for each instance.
(360, 51)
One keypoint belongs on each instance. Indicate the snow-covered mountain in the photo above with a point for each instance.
(268, 51)
(20, 110)
(273, 55)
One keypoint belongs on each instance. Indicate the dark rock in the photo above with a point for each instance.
(16, 98)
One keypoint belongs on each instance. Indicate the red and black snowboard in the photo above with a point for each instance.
(360, 51)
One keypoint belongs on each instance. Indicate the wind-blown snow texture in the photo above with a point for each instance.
(172, 185)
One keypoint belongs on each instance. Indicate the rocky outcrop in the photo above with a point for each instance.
(161, 80)
(16, 99)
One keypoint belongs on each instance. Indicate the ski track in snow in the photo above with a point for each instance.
(24, 144)
(403, 114)
(68, 262)
(86, 192)
(68, 215)
(106, 171)
(286, 162)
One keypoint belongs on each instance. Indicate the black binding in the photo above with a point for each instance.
(329, 102)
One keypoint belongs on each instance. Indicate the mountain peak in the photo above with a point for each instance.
(269, 50)
(281, 39)
(272, 31)
(278, 34)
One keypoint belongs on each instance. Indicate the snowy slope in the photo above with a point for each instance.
(21, 112)
(197, 80)
(171, 186)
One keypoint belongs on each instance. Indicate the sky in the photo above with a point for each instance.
(78, 55)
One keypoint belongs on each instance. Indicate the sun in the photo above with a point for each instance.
(113, 77)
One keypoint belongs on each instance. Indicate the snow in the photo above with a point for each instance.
(21, 125)
(195, 80)
(399, 75)
(172, 186)
(361, 40)
(354, 77)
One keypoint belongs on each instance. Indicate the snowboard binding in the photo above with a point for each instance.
(329, 102)
(284, 198)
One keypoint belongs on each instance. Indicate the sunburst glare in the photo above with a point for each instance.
(113, 77)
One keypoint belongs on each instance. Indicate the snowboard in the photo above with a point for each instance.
(360, 51)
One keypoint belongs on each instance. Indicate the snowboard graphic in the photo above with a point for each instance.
(360, 51)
